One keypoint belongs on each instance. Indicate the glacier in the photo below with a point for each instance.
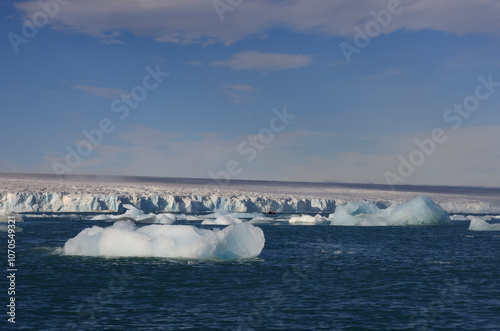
(62, 202)
(419, 211)
(44, 194)
(125, 239)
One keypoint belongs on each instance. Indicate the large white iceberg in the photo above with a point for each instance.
(418, 211)
(124, 238)
(477, 224)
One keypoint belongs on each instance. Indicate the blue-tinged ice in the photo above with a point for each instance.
(477, 224)
(124, 239)
(418, 211)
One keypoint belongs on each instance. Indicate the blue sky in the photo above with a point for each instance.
(355, 117)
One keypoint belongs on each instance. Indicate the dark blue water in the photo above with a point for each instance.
(307, 278)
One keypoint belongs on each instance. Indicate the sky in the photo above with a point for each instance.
(387, 92)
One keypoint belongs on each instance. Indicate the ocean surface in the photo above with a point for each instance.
(306, 278)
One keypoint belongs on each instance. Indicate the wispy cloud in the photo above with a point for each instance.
(259, 61)
(237, 93)
(196, 21)
(104, 92)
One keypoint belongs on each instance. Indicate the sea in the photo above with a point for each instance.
(306, 278)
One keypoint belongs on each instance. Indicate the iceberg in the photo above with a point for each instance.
(221, 220)
(262, 220)
(307, 220)
(458, 218)
(477, 224)
(419, 211)
(125, 239)
(219, 213)
(184, 217)
(5, 214)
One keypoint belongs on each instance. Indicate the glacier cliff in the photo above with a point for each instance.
(65, 202)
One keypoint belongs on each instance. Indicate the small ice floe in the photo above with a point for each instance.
(220, 213)
(136, 215)
(5, 215)
(184, 217)
(477, 224)
(308, 220)
(263, 220)
(221, 220)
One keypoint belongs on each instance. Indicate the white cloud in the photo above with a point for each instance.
(104, 92)
(196, 21)
(253, 60)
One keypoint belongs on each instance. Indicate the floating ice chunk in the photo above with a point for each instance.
(458, 218)
(242, 240)
(137, 215)
(307, 220)
(304, 219)
(184, 217)
(220, 213)
(100, 217)
(221, 220)
(419, 211)
(477, 224)
(4, 216)
(262, 220)
(165, 219)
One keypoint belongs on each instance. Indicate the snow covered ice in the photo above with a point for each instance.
(478, 224)
(124, 238)
(418, 211)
